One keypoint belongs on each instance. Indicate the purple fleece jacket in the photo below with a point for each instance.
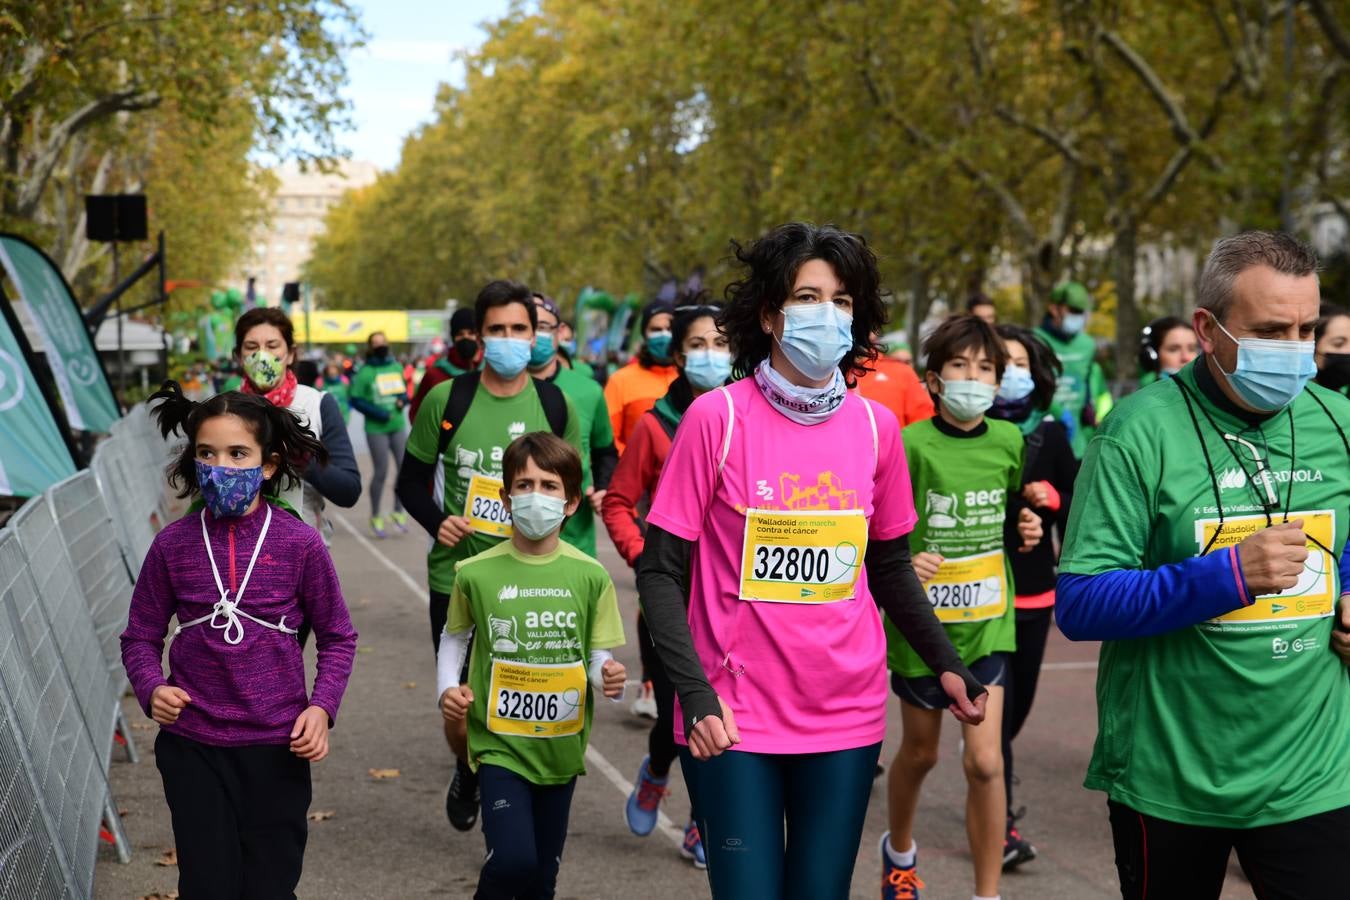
(250, 692)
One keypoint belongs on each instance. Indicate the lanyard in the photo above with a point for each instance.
(224, 616)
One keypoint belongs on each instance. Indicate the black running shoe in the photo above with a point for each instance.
(1016, 849)
(461, 798)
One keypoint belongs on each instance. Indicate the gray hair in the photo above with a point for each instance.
(1235, 254)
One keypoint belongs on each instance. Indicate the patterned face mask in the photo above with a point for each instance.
(228, 491)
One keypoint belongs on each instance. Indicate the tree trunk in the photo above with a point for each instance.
(920, 300)
(1038, 280)
(1124, 254)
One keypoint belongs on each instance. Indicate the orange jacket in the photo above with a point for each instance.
(895, 386)
(632, 391)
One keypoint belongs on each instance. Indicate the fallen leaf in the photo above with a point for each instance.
(384, 773)
(321, 815)
(170, 858)
(365, 649)
(141, 726)
(410, 684)
(171, 895)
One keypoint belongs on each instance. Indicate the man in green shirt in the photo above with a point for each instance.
(1203, 549)
(464, 513)
(598, 455)
(1081, 381)
(379, 393)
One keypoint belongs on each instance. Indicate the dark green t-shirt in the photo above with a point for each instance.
(475, 449)
(961, 491)
(1080, 381)
(588, 400)
(537, 620)
(382, 384)
(1241, 721)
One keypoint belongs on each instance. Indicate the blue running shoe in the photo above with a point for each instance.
(692, 848)
(644, 804)
(898, 882)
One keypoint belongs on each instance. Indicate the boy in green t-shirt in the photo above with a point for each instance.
(544, 617)
(966, 472)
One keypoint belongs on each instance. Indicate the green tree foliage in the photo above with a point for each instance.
(620, 142)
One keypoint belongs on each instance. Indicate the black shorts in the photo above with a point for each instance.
(926, 691)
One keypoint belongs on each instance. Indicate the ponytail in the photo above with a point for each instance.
(277, 431)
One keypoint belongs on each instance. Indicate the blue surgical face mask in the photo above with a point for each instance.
(1270, 374)
(967, 400)
(569, 347)
(658, 344)
(707, 369)
(228, 491)
(507, 356)
(537, 515)
(542, 351)
(1017, 383)
(1074, 323)
(816, 336)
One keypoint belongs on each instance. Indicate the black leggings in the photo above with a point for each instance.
(661, 747)
(1019, 690)
(238, 817)
(524, 827)
(1299, 860)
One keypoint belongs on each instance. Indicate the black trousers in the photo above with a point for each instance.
(524, 827)
(1019, 690)
(1299, 860)
(238, 817)
(661, 740)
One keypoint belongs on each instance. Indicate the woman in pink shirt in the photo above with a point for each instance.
(784, 496)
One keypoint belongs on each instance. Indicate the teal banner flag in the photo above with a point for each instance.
(80, 379)
(33, 452)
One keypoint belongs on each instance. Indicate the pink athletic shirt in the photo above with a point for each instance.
(813, 676)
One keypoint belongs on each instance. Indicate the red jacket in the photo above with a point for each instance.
(635, 477)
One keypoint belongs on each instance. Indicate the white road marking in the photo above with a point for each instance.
(593, 756)
(1059, 666)
(419, 591)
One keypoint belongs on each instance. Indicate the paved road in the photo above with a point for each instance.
(388, 838)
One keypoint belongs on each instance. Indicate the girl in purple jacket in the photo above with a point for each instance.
(238, 730)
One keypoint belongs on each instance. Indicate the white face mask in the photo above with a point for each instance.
(537, 515)
(967, 400)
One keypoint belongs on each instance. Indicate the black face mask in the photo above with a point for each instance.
(1335, 371)
(379, 354)
(466, 348)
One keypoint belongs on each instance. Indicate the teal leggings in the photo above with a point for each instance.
(742, 801)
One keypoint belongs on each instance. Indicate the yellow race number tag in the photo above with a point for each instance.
(802, 556)
(484, 508)
(1314, 597)
(537, 700)
(390, 384)
(969, 589)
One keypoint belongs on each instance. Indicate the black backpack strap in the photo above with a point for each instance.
(462, 389)
(554, 402)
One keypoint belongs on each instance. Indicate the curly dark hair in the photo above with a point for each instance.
(771, 265)
(1045, 366)
(277, 430)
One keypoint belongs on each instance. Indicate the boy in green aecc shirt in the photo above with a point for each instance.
(544, 617)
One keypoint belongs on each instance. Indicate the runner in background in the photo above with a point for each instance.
(703, 358)
(894, 385)
(981, 307)
(462, 354)
(529, 694)
(1332, 354)
(1166, 345)
(1081, 380)
(966, 471)
(1206, 550)
(451, 478)
(336, 385)
(633, 389)
(598, 456)
(1025, 395)
(771, 527)
(379, 393)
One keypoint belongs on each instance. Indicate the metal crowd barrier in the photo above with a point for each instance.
(68, 560)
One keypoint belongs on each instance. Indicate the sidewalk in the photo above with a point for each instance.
(387, 837)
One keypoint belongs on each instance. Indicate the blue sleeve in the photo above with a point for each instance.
(340, 480)
(1345, 569)
(367, 408)
(1124, 603)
